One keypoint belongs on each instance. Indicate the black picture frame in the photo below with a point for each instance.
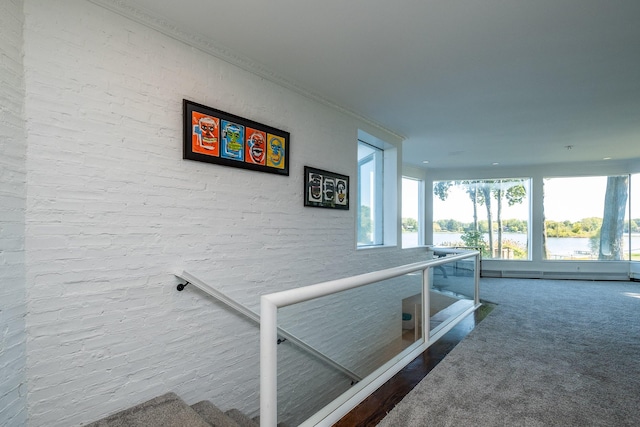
(324, 189)
(214, 136)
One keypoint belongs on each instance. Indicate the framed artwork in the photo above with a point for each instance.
(214, 136)
(323, 189)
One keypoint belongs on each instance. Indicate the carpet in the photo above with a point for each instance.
(551, 353)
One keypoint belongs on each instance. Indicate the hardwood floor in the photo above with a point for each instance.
(373, 409)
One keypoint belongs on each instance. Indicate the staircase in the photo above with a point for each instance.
(169, 410)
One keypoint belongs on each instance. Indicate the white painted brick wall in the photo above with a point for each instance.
(13, 391)
(113, 211)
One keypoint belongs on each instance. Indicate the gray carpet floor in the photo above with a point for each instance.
(552, 353)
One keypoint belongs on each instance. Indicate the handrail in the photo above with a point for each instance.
(252, 315)
(297, 295)
(269, 305)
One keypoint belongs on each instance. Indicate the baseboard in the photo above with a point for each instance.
(569, 275)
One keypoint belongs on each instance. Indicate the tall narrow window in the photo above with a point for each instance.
(412, 212)
(370, 200)
(634, 222)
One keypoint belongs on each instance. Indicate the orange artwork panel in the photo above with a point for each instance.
(255, 146)
(205, 134)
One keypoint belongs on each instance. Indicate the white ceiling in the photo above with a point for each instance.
(466, 82)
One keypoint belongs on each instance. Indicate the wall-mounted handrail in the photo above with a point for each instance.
(255, 317)
(269, 305)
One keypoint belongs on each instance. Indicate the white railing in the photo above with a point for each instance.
(269, 330)
(255, 317)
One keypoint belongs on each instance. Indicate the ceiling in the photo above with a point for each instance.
(467, 83)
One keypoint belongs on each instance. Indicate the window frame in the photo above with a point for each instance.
(387, 224)
(512, 247)
(376, 190)
(421, 210)
(593, 255)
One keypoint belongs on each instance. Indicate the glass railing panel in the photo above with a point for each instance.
(452, 291)
(305, 385)
(360, 329)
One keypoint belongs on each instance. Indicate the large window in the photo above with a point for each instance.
(634, 223)
(412, 212)
(490, 215)
(585, 218)
(370, 197)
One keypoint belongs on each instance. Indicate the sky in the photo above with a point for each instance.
(574, 198)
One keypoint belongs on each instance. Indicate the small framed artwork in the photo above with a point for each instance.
(324, 189)
(214, 136)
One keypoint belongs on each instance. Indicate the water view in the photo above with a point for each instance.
(558, 247)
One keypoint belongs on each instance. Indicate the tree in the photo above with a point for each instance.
(441, 189)
(481, 192)
(364, 225)
(615, 203)
(545, 252)
(409, 225)
(485, 192)
(454, 225)
(473, 239)
(472, 191)
(498, 193)
(594, 243)
(514, 192)
(591, 225)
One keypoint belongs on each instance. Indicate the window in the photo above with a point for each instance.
(378, 192)
(370, 197)
(585, 218)
(412, 212)
(491, 215)
(634, 223)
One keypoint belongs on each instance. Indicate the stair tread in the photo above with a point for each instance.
(240, 418)
(213, 415)
(167, 410)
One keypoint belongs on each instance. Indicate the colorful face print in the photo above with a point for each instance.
(275, 151)
(209, 133)
(255, 147)
(232, 141)
(205, 134)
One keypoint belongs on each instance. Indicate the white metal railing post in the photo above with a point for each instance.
(426, 304)
(476, 293)
(268, 363)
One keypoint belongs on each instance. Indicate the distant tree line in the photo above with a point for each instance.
(409, 225)
(586, 227)
(453, 226)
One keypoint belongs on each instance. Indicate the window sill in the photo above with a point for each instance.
(373, 247)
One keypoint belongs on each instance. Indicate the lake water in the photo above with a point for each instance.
(557, 246)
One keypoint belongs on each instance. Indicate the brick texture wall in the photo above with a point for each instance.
(12, 216)
(113, 210)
